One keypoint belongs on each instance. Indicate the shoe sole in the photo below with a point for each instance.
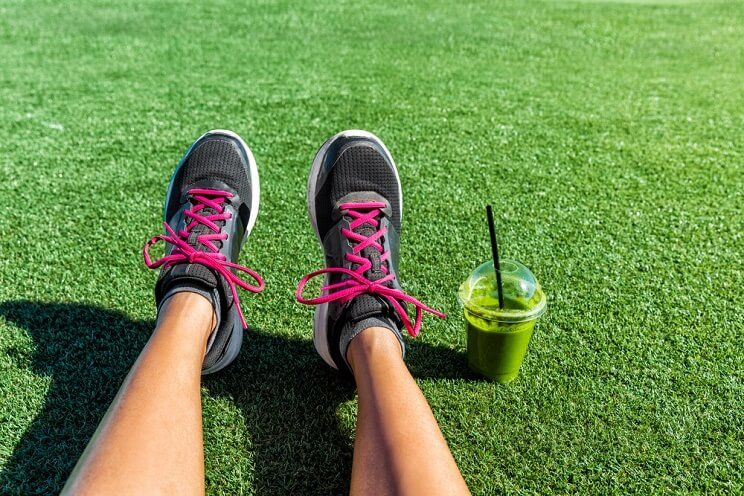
(320, 319)
(236, 336)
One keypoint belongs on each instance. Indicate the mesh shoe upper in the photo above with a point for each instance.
(217, 161)
(361, 167)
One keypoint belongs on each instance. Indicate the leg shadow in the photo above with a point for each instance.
(289, 397)
(426, 361)
(86, 352)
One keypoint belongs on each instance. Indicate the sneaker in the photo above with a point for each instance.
(355, 205)
(210, 208)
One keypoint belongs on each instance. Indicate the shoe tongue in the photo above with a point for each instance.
(200, 229)
(371, 253)
(367, 306)
(194, 273)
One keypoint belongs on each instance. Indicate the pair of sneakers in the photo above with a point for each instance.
(355, 204)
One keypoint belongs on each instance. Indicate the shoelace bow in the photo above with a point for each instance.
(183, 252)
(356, 284)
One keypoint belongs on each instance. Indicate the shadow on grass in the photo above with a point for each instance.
(288, 396)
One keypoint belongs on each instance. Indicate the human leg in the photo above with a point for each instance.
(399, 448)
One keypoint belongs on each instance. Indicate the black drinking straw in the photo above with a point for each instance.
(495, 252)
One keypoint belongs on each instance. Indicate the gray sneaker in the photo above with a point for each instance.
(210, 208)
(355, 205)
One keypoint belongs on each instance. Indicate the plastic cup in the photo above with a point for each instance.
(498, 337)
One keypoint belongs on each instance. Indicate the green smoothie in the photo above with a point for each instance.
(498, 337)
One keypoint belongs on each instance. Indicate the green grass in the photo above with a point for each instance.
(608, 136)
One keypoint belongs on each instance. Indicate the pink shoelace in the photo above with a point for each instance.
(356, 284)
(212, 258)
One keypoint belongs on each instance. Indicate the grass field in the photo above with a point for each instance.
(608, 136)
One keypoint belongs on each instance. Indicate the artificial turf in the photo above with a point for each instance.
(607, 135)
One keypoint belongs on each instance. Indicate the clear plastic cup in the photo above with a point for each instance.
(498, 337)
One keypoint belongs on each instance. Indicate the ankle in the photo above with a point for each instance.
(190, 311)
(373, 343)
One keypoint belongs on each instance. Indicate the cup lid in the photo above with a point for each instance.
(523, 298)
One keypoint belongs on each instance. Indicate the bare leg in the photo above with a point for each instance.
(399, 448)
(150, 440)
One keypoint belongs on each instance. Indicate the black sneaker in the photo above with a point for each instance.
(210, 208)
(355, 204)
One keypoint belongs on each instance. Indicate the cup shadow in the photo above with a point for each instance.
(288, 396)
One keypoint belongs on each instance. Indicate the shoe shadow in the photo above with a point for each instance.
(288, 396)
